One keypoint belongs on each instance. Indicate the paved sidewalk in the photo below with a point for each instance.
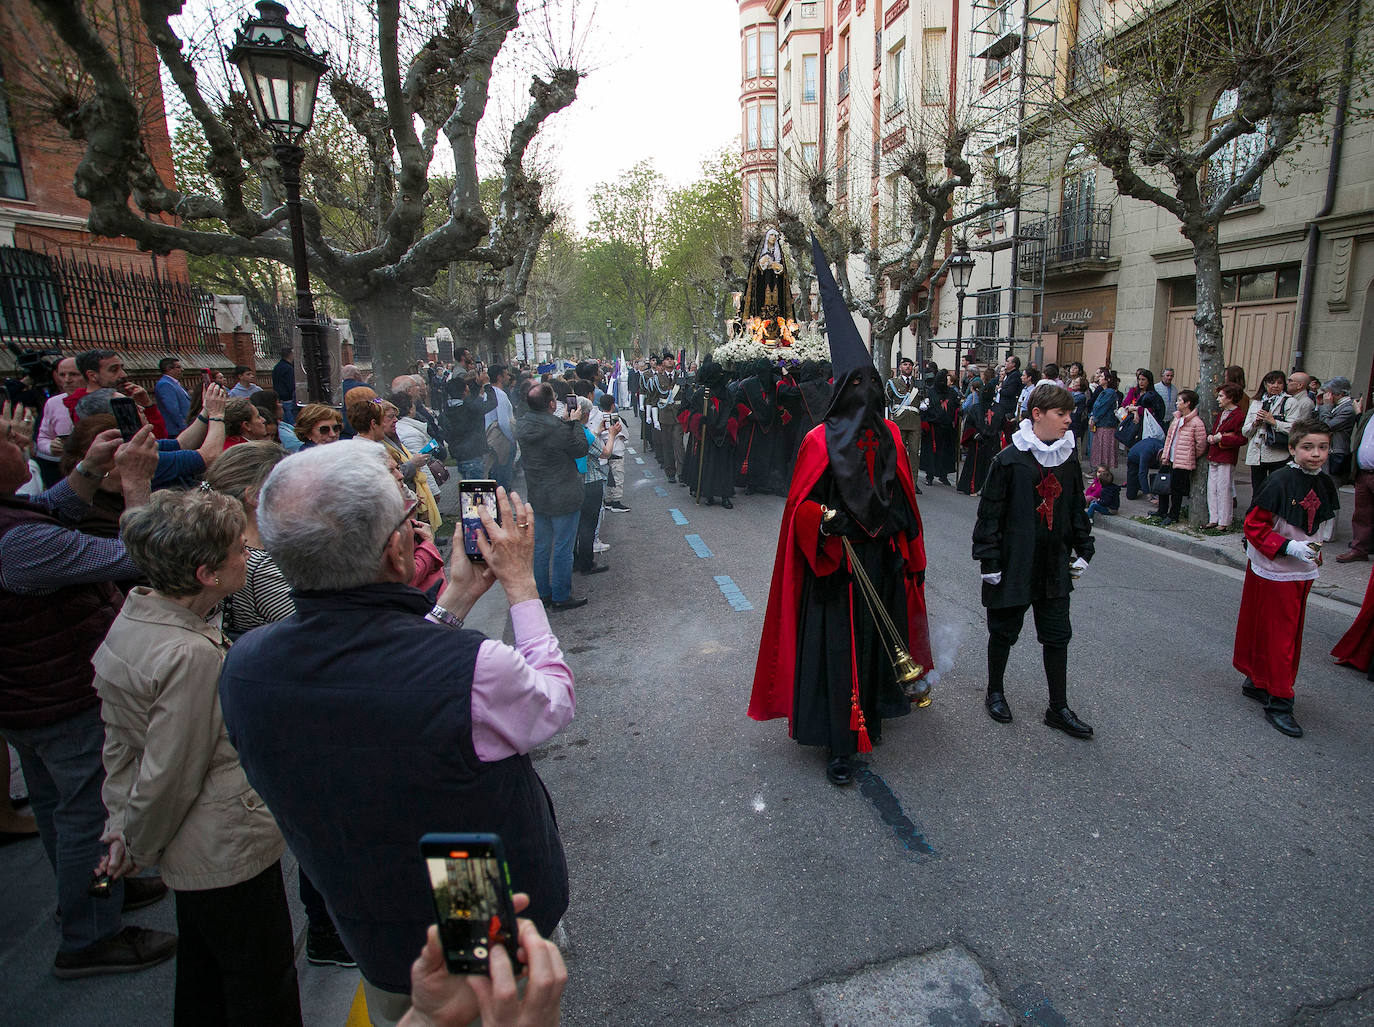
(1344, 582)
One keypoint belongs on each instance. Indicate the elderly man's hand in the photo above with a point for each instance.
(508, 547)
(137, 458)
(100, 457)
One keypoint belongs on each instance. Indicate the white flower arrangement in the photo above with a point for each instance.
(810, 343)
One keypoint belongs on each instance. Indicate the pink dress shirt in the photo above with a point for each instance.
(57, 420)
(522, 695)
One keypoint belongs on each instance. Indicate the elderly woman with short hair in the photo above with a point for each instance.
(176, 794)
(318, 425)
(374, 419)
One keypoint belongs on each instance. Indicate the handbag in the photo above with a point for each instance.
(501, 447)
(1152, 429)
(1129, 433)
(1161, 482)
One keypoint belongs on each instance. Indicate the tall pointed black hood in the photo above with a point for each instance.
(858, 442)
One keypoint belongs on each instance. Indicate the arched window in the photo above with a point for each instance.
(1077, 206)
(1234, 159)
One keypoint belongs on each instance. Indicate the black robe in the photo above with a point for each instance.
(713, 441)
(763, 459)
(939, 430)
(822, 700)
(982, 441)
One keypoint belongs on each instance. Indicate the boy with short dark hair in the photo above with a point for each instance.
(1032, 538)
(1290, 518)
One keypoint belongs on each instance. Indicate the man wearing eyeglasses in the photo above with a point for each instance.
(358, 749)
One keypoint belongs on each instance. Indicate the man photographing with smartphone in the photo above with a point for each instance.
(357, 759)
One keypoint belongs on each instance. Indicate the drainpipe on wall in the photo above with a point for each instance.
(1309, 260)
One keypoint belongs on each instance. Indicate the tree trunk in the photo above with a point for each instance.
(1211, 359)
(388, 332)
(882, 347)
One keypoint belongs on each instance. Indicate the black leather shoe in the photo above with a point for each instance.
(727, 504)
(142, 891)
(840, 770)
(1279, 712)
(945, 482)
(917, 488)
(568, 604)
(1064, 719)
(998, 710)
(672, 479)
(1252, 691)
(595, 568)
(710, 500)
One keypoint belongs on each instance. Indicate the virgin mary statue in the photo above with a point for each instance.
(767, 294)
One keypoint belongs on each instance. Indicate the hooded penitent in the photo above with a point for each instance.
(863, 458)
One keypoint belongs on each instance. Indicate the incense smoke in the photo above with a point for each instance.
(944, 648)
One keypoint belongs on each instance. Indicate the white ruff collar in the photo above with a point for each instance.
(1047, 454)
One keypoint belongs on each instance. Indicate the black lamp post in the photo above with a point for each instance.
(696, 346)
(961, 265)
(522, 319)
(610, 335)
(281, 76)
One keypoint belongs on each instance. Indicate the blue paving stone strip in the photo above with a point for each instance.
(732, 594)
(659, 490)
(678, 517)
(638, 459)
(698, 546)
(648, 474)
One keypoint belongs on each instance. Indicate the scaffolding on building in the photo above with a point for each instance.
(1011, 85)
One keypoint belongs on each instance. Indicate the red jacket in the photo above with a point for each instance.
(1227, 424)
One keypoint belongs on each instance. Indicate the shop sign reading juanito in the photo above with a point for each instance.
(1073, 313)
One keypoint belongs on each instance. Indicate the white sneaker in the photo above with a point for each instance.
(600, 547)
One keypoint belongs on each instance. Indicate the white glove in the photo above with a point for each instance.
(995, 578)
(1303, 551)
(1077, 568)
(925, 405)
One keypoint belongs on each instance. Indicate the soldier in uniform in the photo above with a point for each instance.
(904, 409)
(670, 405)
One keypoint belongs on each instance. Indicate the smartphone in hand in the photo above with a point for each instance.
(470, 882)
(473, 494)
(126, 417)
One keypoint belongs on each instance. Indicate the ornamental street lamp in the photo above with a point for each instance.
(522, 319)
(281, 76)
(696, 351)
(961, 265)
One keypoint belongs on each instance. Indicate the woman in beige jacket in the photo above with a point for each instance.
(174, 789)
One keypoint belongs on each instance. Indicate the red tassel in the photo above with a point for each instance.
(864, 744)
(856, 717)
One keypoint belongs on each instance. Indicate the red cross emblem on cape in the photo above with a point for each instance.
(1310, 503)
(786, 416)
(868, 442)
(1048, 490)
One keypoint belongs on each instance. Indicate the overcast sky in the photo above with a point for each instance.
(664, 86)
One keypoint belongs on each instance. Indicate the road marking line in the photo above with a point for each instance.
(698, 546)
(659, 490)
(678, 517)
(732, 594)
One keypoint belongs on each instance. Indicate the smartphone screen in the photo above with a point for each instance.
(125, 412)
(473, 494)
(470, 881)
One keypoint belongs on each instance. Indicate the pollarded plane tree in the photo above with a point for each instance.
(413, 89)
(1282, 70)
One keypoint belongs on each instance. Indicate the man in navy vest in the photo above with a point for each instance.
(370, 716)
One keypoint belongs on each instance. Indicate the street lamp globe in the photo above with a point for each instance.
(522, 319)
(281, 74)
(608, 324)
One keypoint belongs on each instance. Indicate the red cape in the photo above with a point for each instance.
(800, 544)
(1356, 646)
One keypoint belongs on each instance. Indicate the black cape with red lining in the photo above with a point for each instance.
(806, 581)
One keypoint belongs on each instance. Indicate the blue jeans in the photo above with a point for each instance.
(63, 768)
(1097, 506)
(1138, 461)
(554, 536)
(469, 470)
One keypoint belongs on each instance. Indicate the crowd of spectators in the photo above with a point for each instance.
(305, 536)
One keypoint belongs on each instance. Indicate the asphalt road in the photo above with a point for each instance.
(1188, 866)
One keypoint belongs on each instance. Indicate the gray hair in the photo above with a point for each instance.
(325, 515)
(584, 407)
(175, 533)
(1340, 385)
(348, 371)
(97, 402)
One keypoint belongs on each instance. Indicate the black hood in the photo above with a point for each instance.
(863, 457)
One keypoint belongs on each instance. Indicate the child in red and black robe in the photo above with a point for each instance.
(1294, 513)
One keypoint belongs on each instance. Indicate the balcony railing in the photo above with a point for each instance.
(844, 81)
(1085, 64)
(1080, 235)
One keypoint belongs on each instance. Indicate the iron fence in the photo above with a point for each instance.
(58, 301)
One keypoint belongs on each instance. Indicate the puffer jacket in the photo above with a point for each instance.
(173, 782)
(1186, 442)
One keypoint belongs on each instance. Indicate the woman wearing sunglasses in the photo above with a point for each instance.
(318, 425)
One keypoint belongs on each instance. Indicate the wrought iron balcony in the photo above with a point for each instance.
(844, 81)
(1078, 236)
